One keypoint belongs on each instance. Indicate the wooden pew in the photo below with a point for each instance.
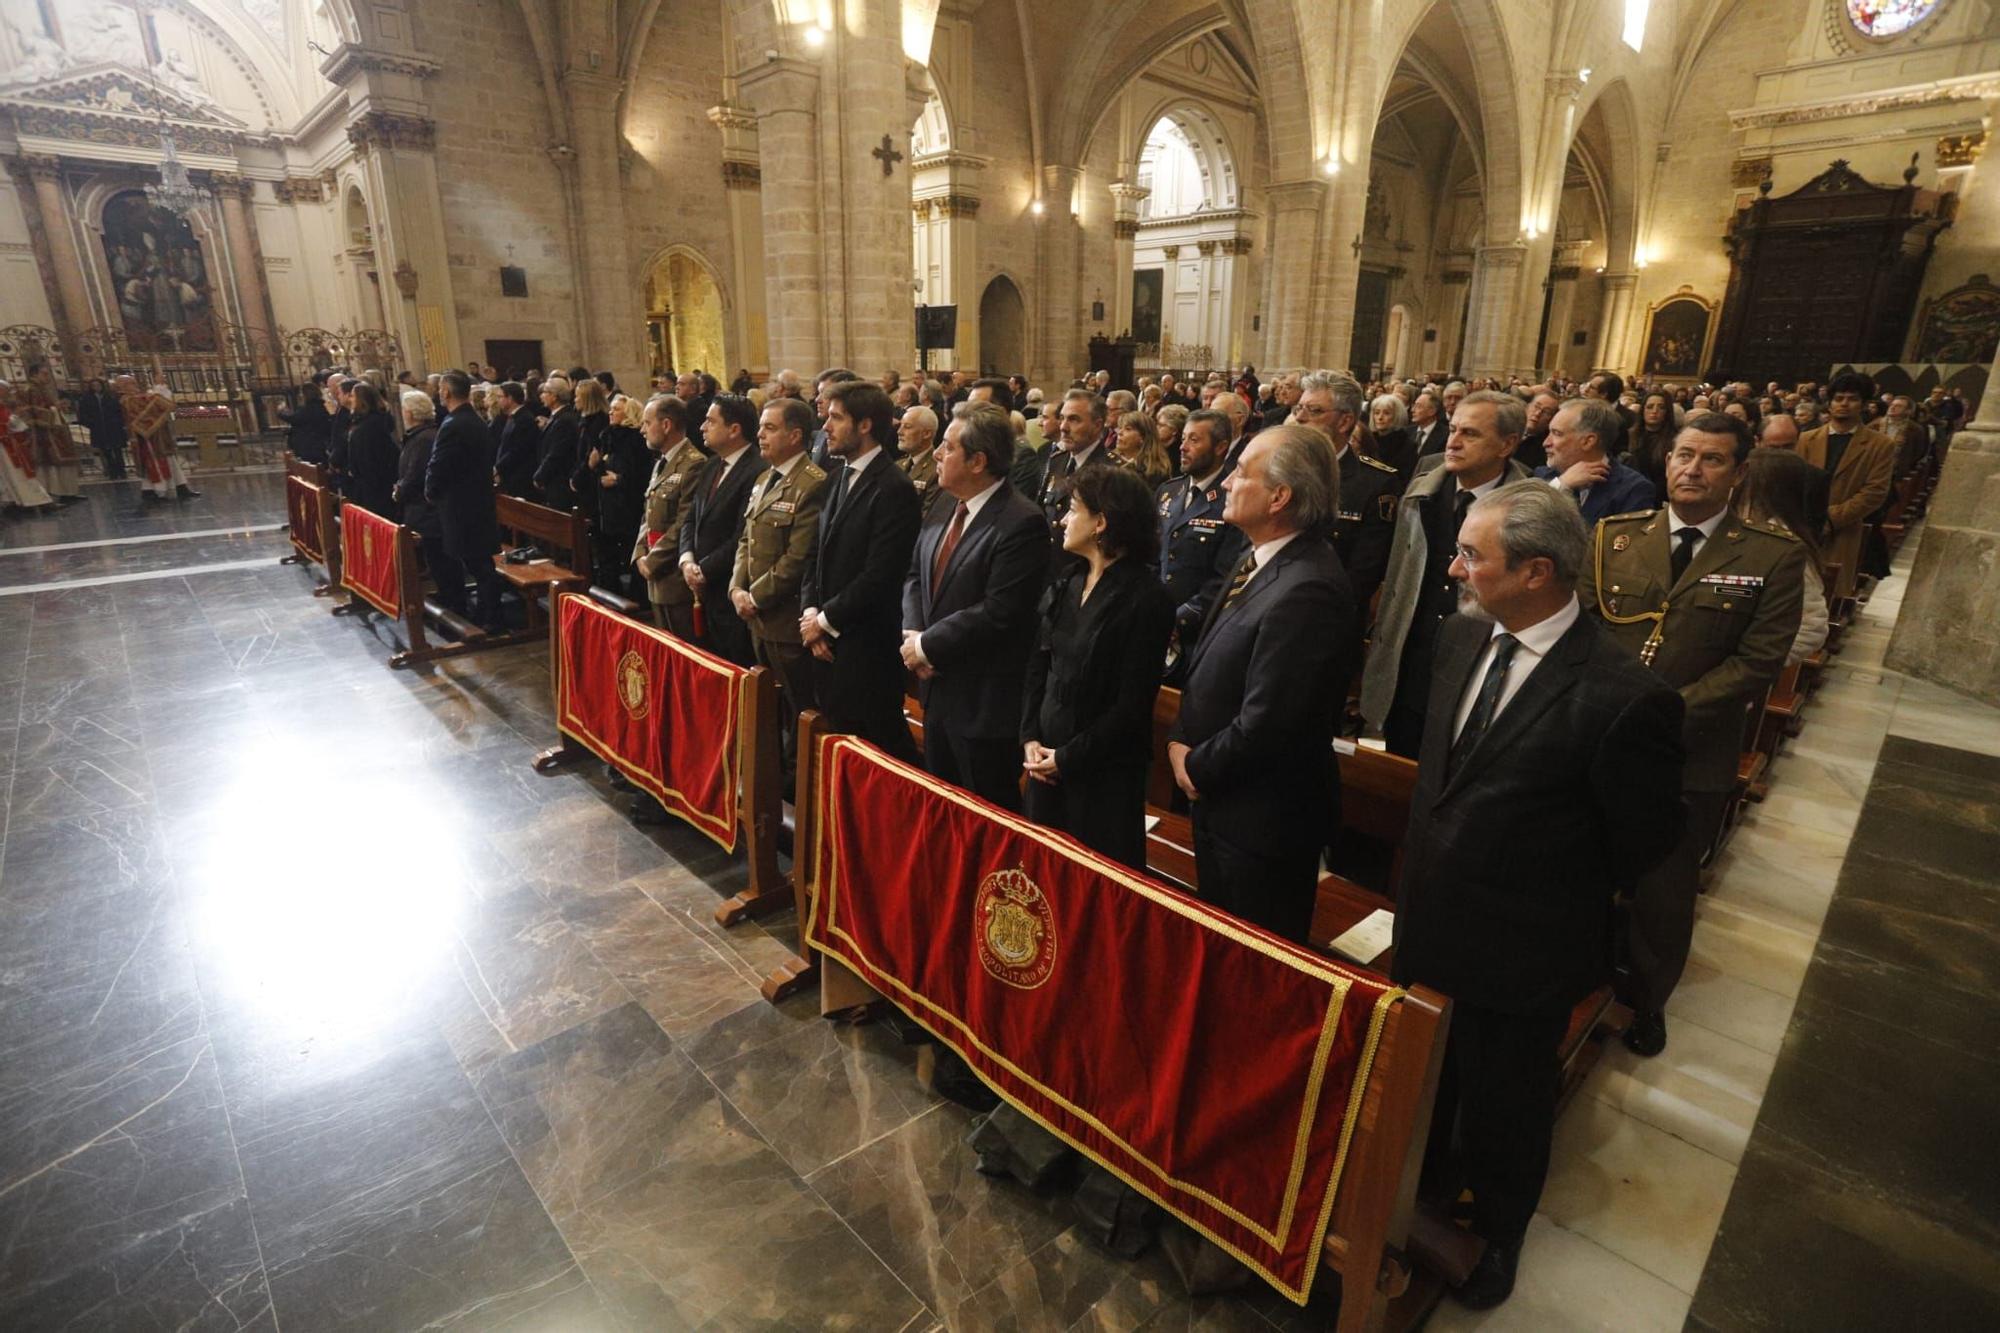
(1368, 1239)
(409, 607)
(554, 532)
(313, 512)
(759, 807)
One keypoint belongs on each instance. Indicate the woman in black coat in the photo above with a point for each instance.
(372, 455)
(420, 430)
(620, 467)
(1087, 707)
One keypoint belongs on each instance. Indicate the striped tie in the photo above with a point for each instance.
(1240, 580)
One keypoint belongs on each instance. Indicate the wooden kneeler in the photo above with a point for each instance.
(759, 805)
(1374, 1209)
(310, 513)
(399, 595)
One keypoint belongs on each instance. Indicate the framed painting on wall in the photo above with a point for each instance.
(1678, 330)
(1148, 284)
(1963, 325)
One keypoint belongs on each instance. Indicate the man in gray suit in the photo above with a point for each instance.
(1418, 593)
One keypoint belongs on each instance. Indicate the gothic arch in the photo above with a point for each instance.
(712, 276)
(1003, 326)
(1606, 139)
(1478, 25)
(1207, 133)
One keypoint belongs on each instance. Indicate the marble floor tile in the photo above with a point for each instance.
(1637, 1191)
(1780, 873)
(200, 1272)
(725, 1236)
(1732, 1007)
(686, 980)
(1749, 948)
(1932, 713)
(82, 855)
(111, 731)
(917, 1200)
(824, 1091)
(1705, 1091)
(79, 785)
(529, 973)
(1568, 1283)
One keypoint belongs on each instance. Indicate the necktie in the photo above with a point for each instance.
(1488, 701)
(1460, 503)
(1684, 552)
(1240, 580)
(715, 477)
(949, 544)
(839, 491)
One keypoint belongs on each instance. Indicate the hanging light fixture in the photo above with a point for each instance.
(175, 193)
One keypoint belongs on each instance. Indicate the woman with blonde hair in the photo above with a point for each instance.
(1169, 422)
(1138, 447)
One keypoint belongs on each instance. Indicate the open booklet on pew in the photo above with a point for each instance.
(1367, 939)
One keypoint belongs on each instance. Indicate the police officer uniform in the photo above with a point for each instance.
(780, 528)
(1197, 553)
(1718, 633)
(674, 476)
(1369, 490)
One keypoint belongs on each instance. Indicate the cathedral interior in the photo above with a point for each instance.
(321, 1007)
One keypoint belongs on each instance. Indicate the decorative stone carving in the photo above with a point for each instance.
(350, 59)
(923, 208)
(392, 129)
(958, 206)
(1205, 247)
(300, 190)
(1235, 245)
(1961, 150)
(1172, 252)
(1971, 88)
(1747, 172)
(741, 175)
(406, 279)
(228, 182)
(31, 167)
(1125, 229)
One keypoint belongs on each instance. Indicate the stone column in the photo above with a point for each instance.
(1232, 350)
(958, 216)
(1563, 277)
(253, 296)
(742, 197)
(1295, 244)
(1612, 343)
(1341, 271)
(1949, 629)
(1170, 291)
(786, 95)
(1125, 201)
(1062, 354)
(72, 311)
(614, 321)
(1496, 304)
(1450, 323)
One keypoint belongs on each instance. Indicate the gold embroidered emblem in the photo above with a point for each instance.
(634, 686)
(1621, 541)
(1015, 930)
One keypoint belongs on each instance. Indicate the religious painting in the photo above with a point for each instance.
(160, 275)
(1963, 325)
(1886, 18)
(1677, 332)
(1148, 286)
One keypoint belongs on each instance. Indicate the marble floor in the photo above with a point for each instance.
(320, 1009)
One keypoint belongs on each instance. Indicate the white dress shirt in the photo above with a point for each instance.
(1535, 642)
(1265, 552)
(1675, 523)
(972, 508)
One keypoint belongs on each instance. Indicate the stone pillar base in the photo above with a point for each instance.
(1949, 629)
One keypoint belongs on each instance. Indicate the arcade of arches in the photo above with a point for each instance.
(1514, 190)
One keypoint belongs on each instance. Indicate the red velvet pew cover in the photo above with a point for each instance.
(664, 713)
(302, 511)
(371, 563)
(1212, 1066)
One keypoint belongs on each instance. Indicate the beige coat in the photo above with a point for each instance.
(1858, 487)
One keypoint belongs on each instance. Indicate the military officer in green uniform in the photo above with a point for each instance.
(916, 442)
(675, 468)
(780, 528)
(1711, 603)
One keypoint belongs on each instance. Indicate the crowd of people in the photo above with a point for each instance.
(41, 463)
(1558, 598)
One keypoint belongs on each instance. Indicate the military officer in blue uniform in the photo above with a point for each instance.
(1197, 549)
(1369, 488)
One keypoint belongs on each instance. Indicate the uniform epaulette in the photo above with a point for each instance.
(1376, 463)
(1770, 528)
(1636, 513)
(815, 471)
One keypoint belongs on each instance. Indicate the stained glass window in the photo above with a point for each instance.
(1886, 18)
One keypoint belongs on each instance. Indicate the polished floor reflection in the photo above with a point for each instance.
(319, 1009)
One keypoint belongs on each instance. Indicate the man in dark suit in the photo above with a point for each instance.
(1428, 424)
(853, 592)
(558, 444)
(1549, 779)
(517, 441)
(1253, 748)
(713, 523)
(969, 602)
(458, 484)
(1197, 549)
(1580, 466)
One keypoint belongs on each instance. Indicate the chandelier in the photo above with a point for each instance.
(175, 193)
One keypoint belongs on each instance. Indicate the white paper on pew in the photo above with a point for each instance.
(1342, 745)
(1368, 939)
(1373, 743)
(1152, 822)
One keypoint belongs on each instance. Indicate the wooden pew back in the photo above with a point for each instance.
(565, 537)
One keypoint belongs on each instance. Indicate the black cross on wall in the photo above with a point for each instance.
(888, 155)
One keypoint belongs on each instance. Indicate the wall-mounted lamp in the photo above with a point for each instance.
(815, 37)
(1331, 166)
(1036, 208)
